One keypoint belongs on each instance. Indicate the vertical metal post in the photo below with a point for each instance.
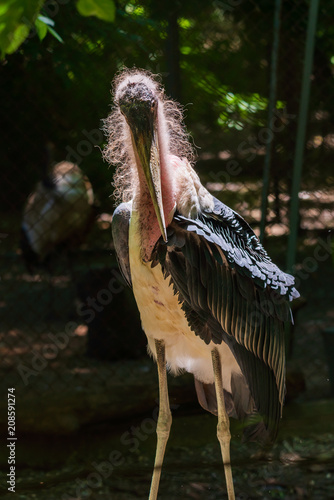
(271, 108)
(301, 132)
(173, 56)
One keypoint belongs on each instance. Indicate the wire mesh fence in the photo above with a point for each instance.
(69, 308)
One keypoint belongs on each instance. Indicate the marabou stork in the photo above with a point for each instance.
(56, 218)
(59, 213)
(211, 301)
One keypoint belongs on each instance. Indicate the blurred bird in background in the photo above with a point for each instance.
(211, 301)
(58, 215)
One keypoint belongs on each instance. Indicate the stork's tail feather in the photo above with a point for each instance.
(254, 429)
(206, 396)
(240, 405)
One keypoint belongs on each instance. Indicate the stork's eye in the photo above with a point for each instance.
(123, 107)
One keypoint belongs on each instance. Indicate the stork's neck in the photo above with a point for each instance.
(142, 203)
(181, 189)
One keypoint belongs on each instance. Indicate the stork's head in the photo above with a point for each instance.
(145, 135)
(139, 105)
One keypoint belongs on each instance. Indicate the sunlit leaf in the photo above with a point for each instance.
(185, 50)
(55, 34)
(102, 9)
(41, 29)
(185, 23)
(15, 38)
(134, 10)
(46, 20)
(3, 8)
(44, 25)
(17, 18)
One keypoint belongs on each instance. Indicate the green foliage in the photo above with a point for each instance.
(102, 9)
(17, 17)
(223, 58)
(20, 19)
(43, 25)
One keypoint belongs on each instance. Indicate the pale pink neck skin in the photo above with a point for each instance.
(170, 168)
(148, 222)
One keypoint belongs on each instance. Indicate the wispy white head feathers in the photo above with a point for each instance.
(119, 150)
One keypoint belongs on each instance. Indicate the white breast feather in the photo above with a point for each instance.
(162, 318)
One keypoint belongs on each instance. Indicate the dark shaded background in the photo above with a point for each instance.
(94, 384)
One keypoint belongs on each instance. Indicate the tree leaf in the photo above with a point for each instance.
(102, 9)
(46, 20)
(17, 18)
(55, 34)
(15, 38)
(41, 28)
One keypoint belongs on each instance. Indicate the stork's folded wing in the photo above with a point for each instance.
(231, 292)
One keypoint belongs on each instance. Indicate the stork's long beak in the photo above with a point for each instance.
(146, 146)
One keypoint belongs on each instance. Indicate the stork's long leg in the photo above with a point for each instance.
(223, 428)
(164, 420)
